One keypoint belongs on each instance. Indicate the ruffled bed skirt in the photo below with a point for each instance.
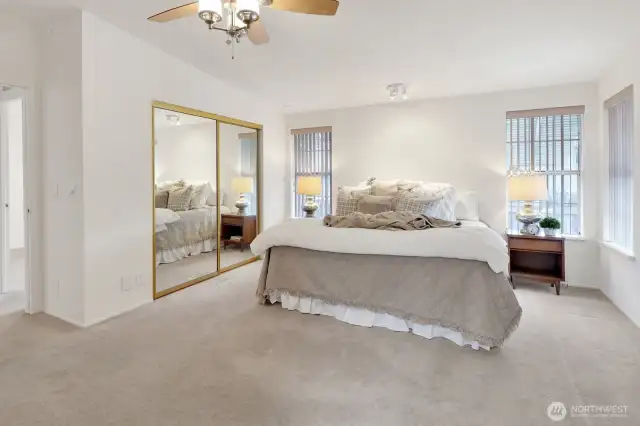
(175, 254)
(367, 318)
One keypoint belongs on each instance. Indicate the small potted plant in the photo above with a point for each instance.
(550, 226)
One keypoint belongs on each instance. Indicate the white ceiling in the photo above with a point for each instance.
(438, 48)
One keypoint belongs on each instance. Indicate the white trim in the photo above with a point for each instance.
(612, 246)
(570, 237)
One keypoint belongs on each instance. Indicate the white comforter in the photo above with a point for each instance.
(472, 241)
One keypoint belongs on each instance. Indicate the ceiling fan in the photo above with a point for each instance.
(242, 17)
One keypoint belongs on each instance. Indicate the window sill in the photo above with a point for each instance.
(626, 253)
(570, 237)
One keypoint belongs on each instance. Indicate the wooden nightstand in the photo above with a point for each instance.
(236, 229)
(537, 258)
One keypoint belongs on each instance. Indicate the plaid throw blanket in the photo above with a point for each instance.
(390, 221)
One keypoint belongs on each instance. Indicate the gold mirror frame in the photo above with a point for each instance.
(218, 119)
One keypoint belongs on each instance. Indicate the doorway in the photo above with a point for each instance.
(13, 211)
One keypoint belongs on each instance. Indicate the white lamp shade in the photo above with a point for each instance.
(242, 185)
(309, 185)
(213, 6)
(528, 188)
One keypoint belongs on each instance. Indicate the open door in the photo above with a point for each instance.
(13, 214)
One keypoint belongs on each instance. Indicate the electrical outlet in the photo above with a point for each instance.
(126, 283)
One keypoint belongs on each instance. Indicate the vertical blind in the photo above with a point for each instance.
(312, 157)
(549, 142)
(619, 218)
(248, 166)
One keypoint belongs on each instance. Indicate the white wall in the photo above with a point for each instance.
(621, 274)
(186, 152)
(62, 153)
(20, 66)
(462, 141)
(121, 77)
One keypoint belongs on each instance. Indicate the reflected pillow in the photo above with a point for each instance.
(180, 199)
(162, 199)
(170, 184)
(200, 195)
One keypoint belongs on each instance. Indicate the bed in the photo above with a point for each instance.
(194, 233)
(445, 282)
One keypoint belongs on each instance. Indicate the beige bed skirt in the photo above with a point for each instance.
(462, 295)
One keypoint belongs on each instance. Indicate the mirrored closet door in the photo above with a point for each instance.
(185, 199)
(206, 204)
(239, 216)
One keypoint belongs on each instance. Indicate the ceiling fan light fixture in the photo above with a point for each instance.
(247, 10)
(210, 11)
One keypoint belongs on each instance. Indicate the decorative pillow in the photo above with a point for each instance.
(347, 205)
(373, 204)
(180, 199)
(437, 191)
(437, 208)
(348, 197)
(467, 206)
(200, 194)
(162, 199)
(354, 191)
(170, 184)
(389, 187)
(408, 185)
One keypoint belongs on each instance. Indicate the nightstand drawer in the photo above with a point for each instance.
(233, 221)
(535, 245)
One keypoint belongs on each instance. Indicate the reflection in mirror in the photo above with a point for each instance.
(186, 215)
(238, 185)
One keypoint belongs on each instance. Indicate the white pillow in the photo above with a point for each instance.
(200, 196)
(467, 206)
(386, 187)
(166, 216)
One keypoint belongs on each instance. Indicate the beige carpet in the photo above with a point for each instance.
(209, 355)
(169, 275)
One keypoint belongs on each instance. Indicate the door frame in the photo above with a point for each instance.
(22, 93)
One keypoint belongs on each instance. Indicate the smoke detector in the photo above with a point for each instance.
(397, 91)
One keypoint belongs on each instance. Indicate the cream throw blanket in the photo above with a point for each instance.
(390, 221)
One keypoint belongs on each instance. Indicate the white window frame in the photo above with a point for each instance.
(556, 178)
(625, 138)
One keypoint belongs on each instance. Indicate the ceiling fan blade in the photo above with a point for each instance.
(257, 33)
(311, 7)
(176, 13)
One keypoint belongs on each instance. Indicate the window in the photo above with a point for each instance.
(619, 217)
(312, 157)
(248, 165)
(549, 142)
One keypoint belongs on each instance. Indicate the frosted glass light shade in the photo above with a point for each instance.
(213, 7)
(528, 188)
(247, 10)
(242, 185)
(309, 185)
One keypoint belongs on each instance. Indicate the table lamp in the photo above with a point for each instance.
(528, 187)
(242, 185)
(309, 186)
